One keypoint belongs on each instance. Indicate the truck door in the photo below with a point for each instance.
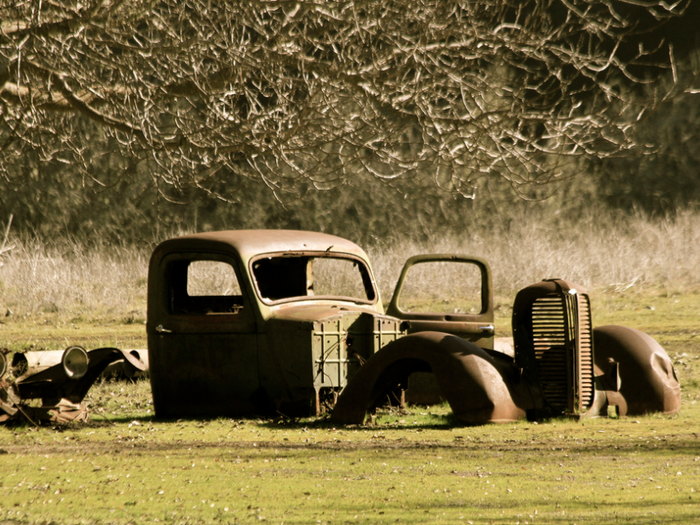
(446, 293)
(201, 337)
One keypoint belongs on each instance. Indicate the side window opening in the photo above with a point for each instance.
(442, 287)
(204, 287)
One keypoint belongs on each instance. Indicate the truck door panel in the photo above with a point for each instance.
(446, 293)
(202, 340)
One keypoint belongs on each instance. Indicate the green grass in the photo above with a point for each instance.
(408, 468)
(55, 331)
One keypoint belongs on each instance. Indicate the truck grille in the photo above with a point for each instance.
(561, 335)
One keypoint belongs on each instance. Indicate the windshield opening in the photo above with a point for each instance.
(287, 276)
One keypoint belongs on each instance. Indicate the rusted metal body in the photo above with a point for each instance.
(576, 370)
(288, 339)
(476, 327)
(637, 372)
(298, 321)
(555, 371)
(554, 346)
(61, 386)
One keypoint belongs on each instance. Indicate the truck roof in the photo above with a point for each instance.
(249, 243)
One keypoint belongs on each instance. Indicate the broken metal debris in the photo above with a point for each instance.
(41, 359)
(553, 372)
(54, 392)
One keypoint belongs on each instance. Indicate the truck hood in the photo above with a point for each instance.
(311, 312)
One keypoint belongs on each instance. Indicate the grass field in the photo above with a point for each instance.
(413, 466)
(410, 467)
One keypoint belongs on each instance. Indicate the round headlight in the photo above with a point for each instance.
(75, 362)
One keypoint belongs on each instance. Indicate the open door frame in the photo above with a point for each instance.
(477, 328)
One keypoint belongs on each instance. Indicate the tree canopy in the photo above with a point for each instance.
(313, 93)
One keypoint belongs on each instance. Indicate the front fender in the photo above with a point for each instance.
(648, 381)
(479, 387)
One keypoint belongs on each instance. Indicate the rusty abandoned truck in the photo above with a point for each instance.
(279, 322)
(297, 324)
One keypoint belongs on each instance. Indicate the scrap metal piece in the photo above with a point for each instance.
(124, 369)
(3, 362)
(61, 387)
(37, 361)
(67, 380)
(74, 360)
(553, 346)
(8, 394)
(61, 413)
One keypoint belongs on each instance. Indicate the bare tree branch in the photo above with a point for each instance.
(289, 91)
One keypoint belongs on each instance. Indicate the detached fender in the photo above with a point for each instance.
(479, 387)
(648, 381)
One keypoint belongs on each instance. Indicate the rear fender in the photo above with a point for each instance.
(479, 387)
(647, 379)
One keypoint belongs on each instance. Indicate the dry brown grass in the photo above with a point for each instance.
(598, 253)
(66, 277)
